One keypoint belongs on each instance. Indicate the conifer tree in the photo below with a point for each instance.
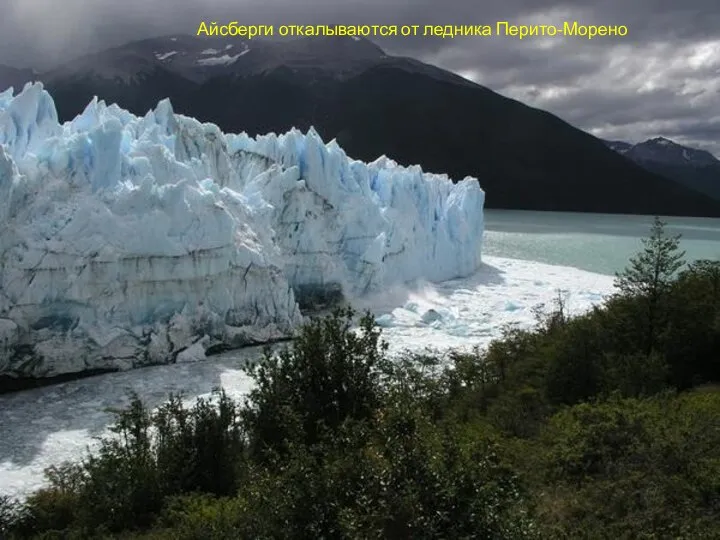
(650, 274)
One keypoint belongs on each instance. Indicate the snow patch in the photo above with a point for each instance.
(165, 56)
(224, 60)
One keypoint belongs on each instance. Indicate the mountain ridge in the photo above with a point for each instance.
(375, 104)
(691, 167)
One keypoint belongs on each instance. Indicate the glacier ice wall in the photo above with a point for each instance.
(130, 240)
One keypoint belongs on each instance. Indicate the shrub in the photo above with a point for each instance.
(329, 375)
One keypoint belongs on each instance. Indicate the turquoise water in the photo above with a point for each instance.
(600, 243)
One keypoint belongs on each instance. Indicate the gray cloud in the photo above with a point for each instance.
(663, 78)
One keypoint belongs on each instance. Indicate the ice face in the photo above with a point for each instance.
(129, 240)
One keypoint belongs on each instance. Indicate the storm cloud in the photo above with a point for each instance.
(663, 78)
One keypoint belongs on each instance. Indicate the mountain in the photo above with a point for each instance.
(128, 241)
(690, 167)
(375, 104)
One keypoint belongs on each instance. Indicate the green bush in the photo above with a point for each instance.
(10, 515)
(149, 457)
(329, 375)
(637, 468)
(598, 426)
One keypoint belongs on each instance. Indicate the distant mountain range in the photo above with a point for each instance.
(696, 169)
(374, 104)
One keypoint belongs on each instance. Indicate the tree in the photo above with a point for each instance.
(650, 275)
(329, 375)
(692, 337)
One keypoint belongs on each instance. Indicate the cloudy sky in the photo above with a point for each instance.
(663, 78)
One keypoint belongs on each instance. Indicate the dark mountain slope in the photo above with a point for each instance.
(703, 179)
(690, 167)
(525, 158)
(375, 104)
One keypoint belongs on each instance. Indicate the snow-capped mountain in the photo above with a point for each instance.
(662, 150)
(374, 103)
(126, 241)
(199, 59)
(691, 167)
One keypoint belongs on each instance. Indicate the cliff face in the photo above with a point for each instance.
(127, 241)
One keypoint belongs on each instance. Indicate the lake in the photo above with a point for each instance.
(600, 243)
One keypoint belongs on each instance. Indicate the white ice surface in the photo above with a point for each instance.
(48, 425)
(125, 240)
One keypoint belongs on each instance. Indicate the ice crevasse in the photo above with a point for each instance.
(127, 241)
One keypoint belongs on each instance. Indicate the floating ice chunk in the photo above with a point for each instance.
(386, 320)
(194, 353)
(431, 316)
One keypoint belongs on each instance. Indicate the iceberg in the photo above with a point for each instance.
(128, 241)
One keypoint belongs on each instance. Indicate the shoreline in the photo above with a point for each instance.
(11, 385)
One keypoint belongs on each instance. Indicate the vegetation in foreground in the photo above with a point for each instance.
(605, 425)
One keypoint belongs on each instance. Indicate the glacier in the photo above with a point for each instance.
(128, 241)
